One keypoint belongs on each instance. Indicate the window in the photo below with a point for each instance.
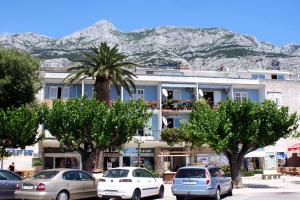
(8, 176)
(59, 92)
(176, 94)
(137, 173)
(275, 96)
(258, 76)
(45, 175)
(71, 176)
(138, 94)
(191, 173)
(240, 96)
(214, 172)
(84, 176)
(146, 174)
(274, 76)
(116, 173)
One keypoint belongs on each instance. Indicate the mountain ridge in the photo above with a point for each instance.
(199, 48)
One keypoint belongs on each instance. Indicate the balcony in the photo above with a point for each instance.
(183, 105)
(152, 105)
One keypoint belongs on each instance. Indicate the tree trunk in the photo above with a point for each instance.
(235, 163)
(102, 89)
(2, 157)
(99, 160)
(87, 159)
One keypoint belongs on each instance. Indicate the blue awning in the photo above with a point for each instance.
(178, 85)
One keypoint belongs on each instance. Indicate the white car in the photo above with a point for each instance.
(129, 183)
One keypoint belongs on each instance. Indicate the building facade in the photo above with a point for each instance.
(169, 94)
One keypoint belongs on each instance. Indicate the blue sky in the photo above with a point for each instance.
(276, 21)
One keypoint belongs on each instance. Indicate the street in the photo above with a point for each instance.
(255, 188)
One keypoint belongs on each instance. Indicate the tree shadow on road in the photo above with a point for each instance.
(259, 186)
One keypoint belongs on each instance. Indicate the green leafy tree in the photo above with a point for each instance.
(237, 128)
(172, 136)
(18, 127)
(19, 79)
(89, 125)
(107, 67)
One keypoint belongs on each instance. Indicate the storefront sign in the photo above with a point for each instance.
(134, 151)
(201, 159)
(20, 152)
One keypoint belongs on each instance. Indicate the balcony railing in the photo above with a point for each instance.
(177, 104)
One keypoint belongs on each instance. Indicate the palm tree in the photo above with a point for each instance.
(107, 67)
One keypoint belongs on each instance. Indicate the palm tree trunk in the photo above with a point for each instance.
(102, 89)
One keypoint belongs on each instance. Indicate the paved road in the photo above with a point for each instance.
(286, 188)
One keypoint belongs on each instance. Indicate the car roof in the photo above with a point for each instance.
(199, 167)
(61, 169)
(128, 168)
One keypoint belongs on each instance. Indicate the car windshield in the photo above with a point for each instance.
(116, 173)
(45, 175)
(191, 173)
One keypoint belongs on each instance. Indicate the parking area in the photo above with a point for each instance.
(286, 188)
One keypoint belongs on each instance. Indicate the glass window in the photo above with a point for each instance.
(137, 173)
(274, 76)
(275, 96)
(116, 173)
(214, 172)
(84, 176)
(4, 175)
(240, 95)
(65, 93)
(146, 174)
(176, 94)
(53, 92)
(191, 173)
(71, 176)
(45, 175)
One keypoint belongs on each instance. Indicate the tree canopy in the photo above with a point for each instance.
(237, 128)
(107, 66)
(19, 79)
(88, 125)
(18, 127)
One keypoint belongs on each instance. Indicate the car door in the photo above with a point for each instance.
(150, 182)
(73, 184)
(141, 182)
(8, 183)
(89, 184)
(222, 181)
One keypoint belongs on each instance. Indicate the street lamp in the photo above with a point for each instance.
(139, 140)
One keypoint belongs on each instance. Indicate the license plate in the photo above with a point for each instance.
(27, 187)
(190, 183)
(110, 193)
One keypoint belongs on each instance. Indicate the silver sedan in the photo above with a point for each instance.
(59, 184)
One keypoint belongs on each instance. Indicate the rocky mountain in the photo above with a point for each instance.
(198, 48)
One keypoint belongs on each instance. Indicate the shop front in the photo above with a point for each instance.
(147, 157)
(61, 158)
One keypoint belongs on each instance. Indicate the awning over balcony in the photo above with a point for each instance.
(178, 85)
(217, 87)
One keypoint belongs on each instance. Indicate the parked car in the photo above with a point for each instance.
(129, 183)
(59, 184)
(201, 181)
(8, 184)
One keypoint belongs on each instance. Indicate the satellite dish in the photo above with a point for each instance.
(200, 93)
(165, 121)
(165, 92)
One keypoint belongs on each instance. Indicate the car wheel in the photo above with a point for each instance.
(62, 196)
(179, 198)
(230, 191)
(217, 195)
(136, 195)
(161, 192)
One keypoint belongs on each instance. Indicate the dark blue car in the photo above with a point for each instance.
(8, 184)
(201, 181)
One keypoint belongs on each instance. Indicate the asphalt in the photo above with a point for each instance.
(285, 188)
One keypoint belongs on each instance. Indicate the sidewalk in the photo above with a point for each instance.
(257, 185)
